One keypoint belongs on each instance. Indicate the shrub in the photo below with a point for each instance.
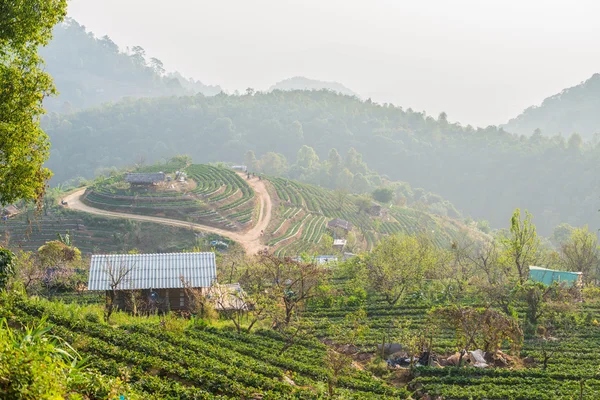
(92, 317)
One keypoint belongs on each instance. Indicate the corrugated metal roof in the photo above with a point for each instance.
(152, 271)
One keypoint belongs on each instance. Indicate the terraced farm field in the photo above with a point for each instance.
(218, 197)
(199, 363)
(308, 208)
(572, 369)
(93, 234)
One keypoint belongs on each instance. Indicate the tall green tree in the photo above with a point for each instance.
(25, 25)
(398, 264)
(521, 244)
(307, 157)
(580, 253)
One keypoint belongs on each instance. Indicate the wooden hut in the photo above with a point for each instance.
(157, 282)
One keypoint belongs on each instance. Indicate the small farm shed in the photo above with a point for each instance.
(9, 211)
(339, 244)
(157, 277)
(340, 223)
(549, 276)
(141, 179)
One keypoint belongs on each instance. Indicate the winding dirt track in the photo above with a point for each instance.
(249, 240)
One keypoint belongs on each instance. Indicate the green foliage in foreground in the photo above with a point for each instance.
(181, 360)
(24, 148)
(34, 364)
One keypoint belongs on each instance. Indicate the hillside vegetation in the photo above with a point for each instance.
(88, 71)
(302, 83)
(574, 110)
(93, 234)
(484, 172)
(218, 197)
(211, 196)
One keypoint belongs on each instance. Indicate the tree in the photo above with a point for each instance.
(479, 328)
(6, 267)
(580, 254)
(116, 276)
(363, 203)
(344, 180)
(398, 264)
(355, 163)
(292, 283)
(250, 160)
(157, 66)
(384, 195)
(273, 164)
(24, 27)
(353, 328)
(307, 157)
(139, 55)
(340, 196)
(521, 245)
(360, 184)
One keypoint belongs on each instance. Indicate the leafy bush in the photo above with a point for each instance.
(92, 317)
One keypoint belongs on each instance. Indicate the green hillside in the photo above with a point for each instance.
(179, 360)
(304, 211)
(485, 173)
(88, 71)
(94, 234)
(574, 110)
(218, 197)
(302, 83)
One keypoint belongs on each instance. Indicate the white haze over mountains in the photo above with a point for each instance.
(482, 62)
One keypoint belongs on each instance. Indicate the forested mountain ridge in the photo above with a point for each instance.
(574, 110)
(486, 173)
(302, 83)
(88, 71)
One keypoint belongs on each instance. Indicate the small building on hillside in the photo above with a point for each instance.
(9, 211)
(549, 276)
(339, 244)
(160, 280)
(339, 223)
(144, 179)
(242, 168)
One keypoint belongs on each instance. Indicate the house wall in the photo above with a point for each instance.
(168, 300)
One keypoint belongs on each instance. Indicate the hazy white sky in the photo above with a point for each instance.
(481, 61)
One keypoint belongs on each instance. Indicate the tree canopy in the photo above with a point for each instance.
(24, 26)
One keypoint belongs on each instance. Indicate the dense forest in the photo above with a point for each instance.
(302, 83)
(88, 71)
(485, 172)
(574, 110)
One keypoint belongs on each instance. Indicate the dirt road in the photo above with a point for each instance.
(249, 240)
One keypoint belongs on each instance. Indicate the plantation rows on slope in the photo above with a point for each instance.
(308, 208)
(198, 363)
(574, 360)
(93, 234)
(220, 198)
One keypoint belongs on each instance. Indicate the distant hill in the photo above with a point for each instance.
(485, 173)
(302, 83)
(88, 71)
(574, 110)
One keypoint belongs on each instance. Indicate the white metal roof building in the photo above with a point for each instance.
(152, 271)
